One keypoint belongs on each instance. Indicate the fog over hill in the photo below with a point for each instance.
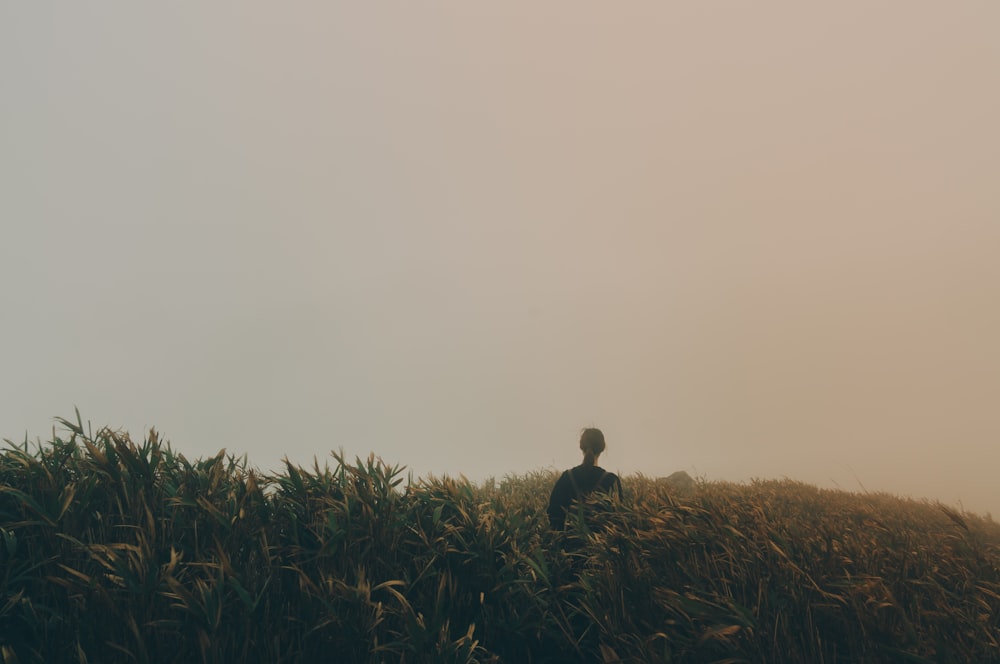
(743, 241)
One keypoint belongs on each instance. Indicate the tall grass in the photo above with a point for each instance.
(116, 551)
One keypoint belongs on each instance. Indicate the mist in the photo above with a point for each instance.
(745, 242)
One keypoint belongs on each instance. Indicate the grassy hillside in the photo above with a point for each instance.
(114, 551)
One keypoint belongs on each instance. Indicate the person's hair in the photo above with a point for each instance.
(592, 444)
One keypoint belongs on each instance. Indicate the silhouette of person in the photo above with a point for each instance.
(577, 483)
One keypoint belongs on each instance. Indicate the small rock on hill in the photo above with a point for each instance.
(679, 481)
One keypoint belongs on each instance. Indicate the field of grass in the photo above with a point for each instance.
(117, 551)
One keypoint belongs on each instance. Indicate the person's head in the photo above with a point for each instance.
(592, 444)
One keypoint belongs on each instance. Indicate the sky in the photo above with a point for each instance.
(746, 241)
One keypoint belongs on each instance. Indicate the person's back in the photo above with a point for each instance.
(577, 484)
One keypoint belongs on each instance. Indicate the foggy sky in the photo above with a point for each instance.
(745, 241)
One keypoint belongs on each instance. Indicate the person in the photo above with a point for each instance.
(577, 483)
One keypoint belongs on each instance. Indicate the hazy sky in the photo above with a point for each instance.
(744, 240)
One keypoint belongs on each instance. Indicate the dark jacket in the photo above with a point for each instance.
(576, 484)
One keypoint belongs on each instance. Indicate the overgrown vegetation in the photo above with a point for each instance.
(114, 551)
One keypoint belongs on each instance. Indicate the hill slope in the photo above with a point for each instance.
(116, 551)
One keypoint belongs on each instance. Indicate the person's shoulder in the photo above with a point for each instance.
(609, 479)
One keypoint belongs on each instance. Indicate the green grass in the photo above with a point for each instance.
(115, 551)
